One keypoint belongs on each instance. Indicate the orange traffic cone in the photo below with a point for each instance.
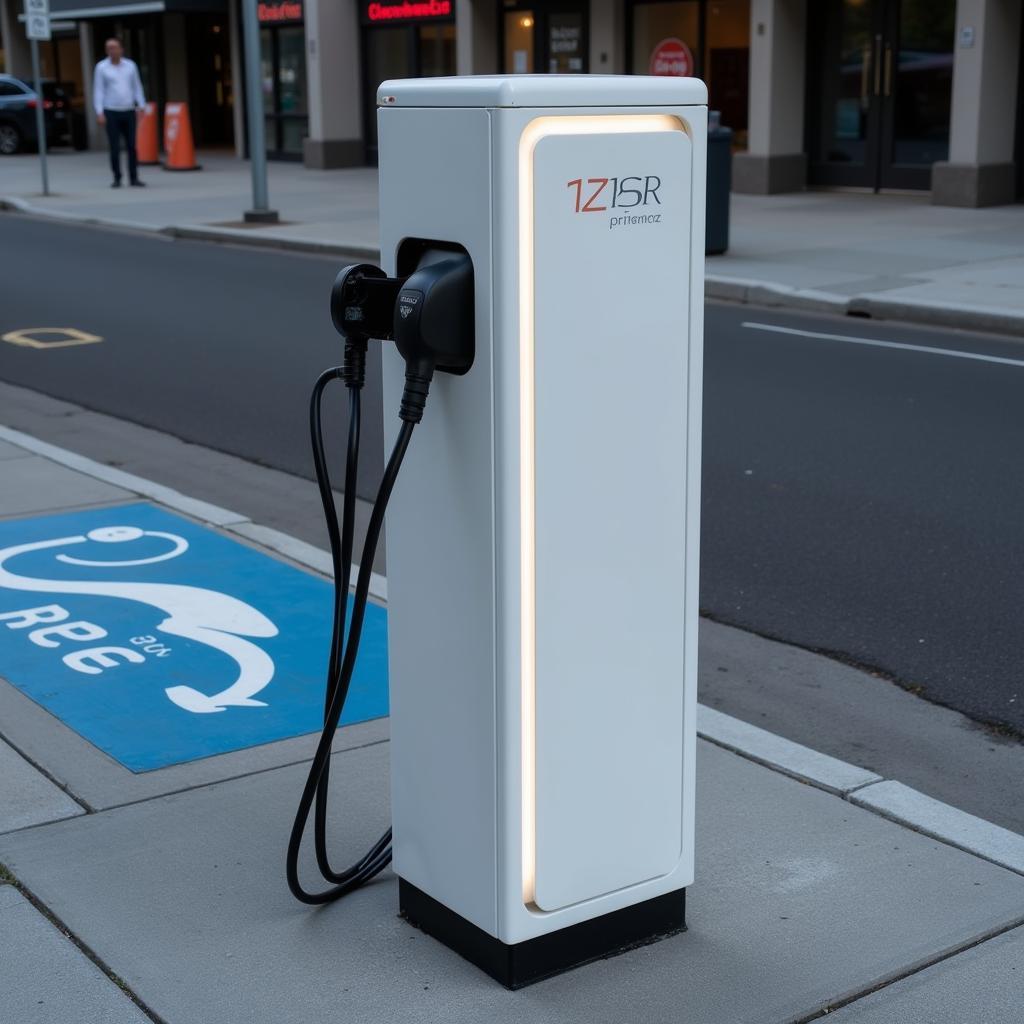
(145, 137)
(181, 153)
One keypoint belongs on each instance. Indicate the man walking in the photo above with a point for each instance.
(116, 95)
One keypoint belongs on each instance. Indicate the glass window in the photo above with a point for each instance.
(923, 84)
(267, 69)
(291, 69)
(727, 63)
(519, 42)
(437, 50)
(386, 56)
(666, 38)
(565, 43)
(846, 59)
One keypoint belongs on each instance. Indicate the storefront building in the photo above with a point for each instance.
(920, 95)
(885, 94)
(878, 95)
(183, 49)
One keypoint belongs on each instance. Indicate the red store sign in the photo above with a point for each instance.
(408, 10)
(283, 10)
(671, 57)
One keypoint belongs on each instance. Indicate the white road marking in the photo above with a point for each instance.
(927, 349)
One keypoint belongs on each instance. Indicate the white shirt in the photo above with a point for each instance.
(117, 86)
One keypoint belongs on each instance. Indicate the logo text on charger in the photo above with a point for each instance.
(621, 194)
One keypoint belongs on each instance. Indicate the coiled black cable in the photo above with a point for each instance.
(343, 651)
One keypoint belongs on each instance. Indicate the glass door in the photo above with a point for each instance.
(881, 75)
(388, 54)
(916, 86)
(424, 49)
(283, 76)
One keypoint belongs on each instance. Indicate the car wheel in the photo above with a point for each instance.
(10, 139)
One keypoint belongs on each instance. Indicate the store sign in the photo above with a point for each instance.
(408, 11)
(281, 11)
(671, 57)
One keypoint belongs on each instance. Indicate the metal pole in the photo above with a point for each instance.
(40, 119)
(254, 107)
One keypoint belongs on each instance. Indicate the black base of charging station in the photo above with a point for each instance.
(523, 963)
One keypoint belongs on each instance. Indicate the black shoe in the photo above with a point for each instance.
(138, 184)
(116, 183)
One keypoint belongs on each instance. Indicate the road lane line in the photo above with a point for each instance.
(927, 349)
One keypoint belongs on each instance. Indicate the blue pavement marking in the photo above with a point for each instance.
(161, 641)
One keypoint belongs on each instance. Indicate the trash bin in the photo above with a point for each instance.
(719, 185)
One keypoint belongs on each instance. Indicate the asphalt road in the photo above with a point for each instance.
(859, 499)
(214, 344)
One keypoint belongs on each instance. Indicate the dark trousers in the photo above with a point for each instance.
(121, 123)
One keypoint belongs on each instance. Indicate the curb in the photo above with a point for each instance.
(859, 786)
(716, 286)
(240, 236)
(940, 314)
(291, 547)
(225, 236)
(782, 755)
(934, 818)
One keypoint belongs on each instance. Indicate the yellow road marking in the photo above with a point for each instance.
(67, 336)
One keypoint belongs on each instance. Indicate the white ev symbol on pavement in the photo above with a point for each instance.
(206, 616)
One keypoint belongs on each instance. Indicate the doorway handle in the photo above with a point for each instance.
(865, 74)
(878, 64)
(888, 70)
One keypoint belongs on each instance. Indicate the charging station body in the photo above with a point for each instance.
(543, 540)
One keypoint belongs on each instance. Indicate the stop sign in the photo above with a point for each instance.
(671, 57)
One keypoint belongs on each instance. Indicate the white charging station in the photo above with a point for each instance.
(542, 544)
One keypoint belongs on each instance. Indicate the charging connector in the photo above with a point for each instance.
(430, 315)
(433, 327)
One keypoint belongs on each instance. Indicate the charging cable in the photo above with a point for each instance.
(431, 321)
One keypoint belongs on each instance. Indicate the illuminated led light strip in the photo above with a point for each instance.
(541, 127)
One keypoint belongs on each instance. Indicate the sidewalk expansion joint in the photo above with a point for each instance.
(909, 972)
(938, 820)
(212, 783)
(50, 777)
(85, 950)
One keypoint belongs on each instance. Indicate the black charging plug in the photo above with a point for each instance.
(362, 303)
(433, 327)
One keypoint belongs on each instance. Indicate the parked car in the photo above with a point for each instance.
(18, 114)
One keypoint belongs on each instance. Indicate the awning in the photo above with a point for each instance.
(83, 9)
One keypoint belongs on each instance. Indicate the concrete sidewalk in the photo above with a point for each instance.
(160, 896)
(884, 256)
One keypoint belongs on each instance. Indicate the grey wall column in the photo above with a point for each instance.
(17, 53)
(334, 89)
(607, 37)
(775, 160)
(476, 38)
(86, 36)
(980, 170)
